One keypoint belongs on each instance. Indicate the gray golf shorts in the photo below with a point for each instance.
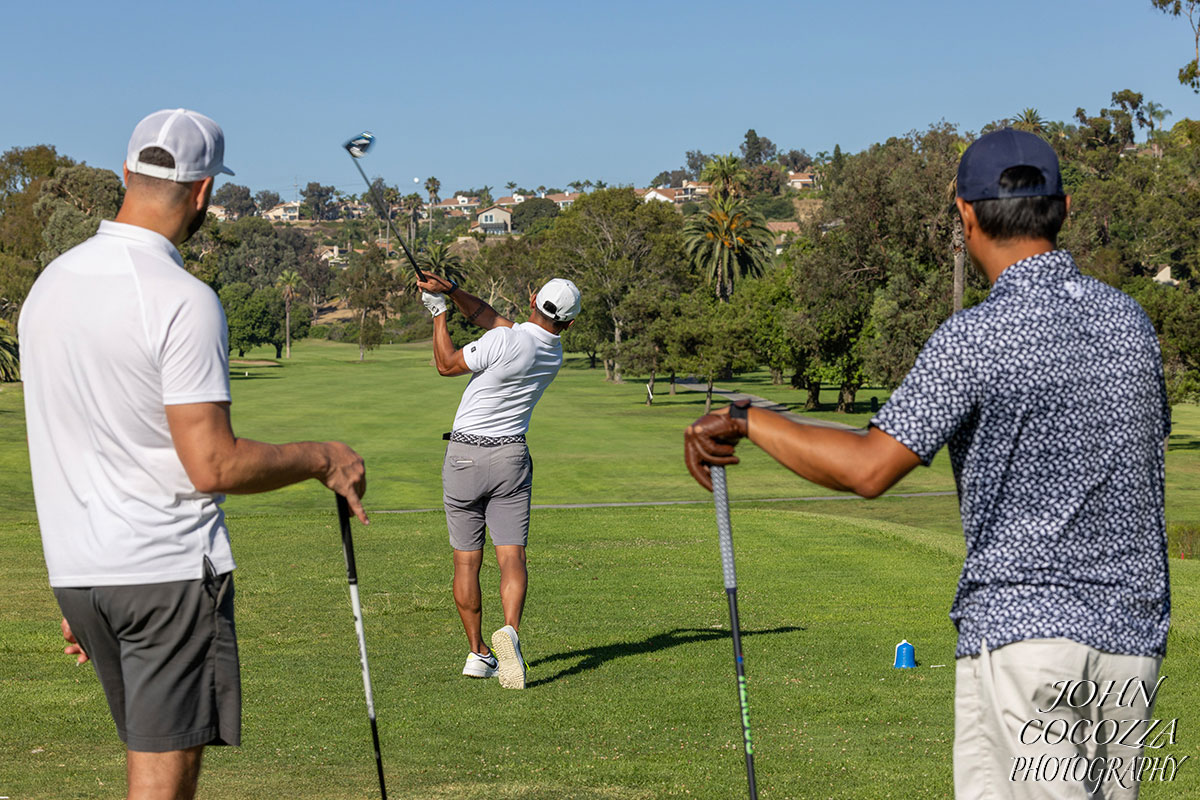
(166, 655)
(487, 487)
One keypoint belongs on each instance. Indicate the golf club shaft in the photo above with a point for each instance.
(352, 576)
(382, 210)
(725, 540)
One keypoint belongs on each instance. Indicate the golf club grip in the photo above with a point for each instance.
(724, 531)
(343, 509)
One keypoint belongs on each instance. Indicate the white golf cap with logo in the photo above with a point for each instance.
(195, 142)
(559, 300)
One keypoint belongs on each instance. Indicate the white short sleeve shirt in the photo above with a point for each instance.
(512, 368)
(112, 332)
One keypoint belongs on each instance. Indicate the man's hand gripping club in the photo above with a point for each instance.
(711, 439)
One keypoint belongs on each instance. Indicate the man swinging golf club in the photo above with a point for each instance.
(487, 475)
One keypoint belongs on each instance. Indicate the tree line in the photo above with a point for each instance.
(846, 302)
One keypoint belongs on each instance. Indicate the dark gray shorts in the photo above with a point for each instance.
(487, 486)
(166, 655)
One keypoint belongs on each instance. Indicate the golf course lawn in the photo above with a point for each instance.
(631, 684)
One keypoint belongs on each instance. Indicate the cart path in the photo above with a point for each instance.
(762, 402)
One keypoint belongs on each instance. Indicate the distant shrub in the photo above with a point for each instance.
(774, 208)
(1182, 540)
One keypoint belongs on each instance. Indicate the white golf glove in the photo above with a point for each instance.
(435, 302)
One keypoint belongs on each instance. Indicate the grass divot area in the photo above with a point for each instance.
(632, 694)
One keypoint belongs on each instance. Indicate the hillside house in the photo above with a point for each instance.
(493, 220)
(1163, 276)
(802, 180)
(353, 210)
(782, 232)
(513, 200)
(662, 195)
(564, 199)
(459, 202)
(284, 212)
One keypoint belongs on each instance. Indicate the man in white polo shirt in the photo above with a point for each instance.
(124, 357)
(487, 476)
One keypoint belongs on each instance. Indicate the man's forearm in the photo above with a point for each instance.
(217, 462)
(443, 347)
(867, 463)
(251, 467)
(473, 309)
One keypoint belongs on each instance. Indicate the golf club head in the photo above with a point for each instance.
(359, 145)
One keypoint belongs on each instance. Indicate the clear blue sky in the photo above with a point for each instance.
(549, 92)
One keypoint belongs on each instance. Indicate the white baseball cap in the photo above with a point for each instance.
(195, 142)
(559, 300)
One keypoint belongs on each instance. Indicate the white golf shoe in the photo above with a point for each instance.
(507, 649)
(478, 666)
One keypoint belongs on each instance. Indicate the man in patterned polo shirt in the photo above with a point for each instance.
(1051, 399)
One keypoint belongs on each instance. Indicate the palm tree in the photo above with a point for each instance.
(432, 185)
(1152, 113)
(289, 283)
(727, 241)
(391, 196)
(511, 185)
(1148, 116)
(1029, 120)
(600, 185)
(726, 174)
(1056, 129)
(10, 360)
(411, 204)
(438, 259)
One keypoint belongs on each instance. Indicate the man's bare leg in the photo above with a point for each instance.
(163, 776)
(514, 582)
(468, 598)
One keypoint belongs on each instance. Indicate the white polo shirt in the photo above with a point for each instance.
(113, 331)
(512, 367)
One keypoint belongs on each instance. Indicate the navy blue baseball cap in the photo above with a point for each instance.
(980, 168)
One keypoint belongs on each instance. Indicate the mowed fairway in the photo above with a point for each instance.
(632, 691)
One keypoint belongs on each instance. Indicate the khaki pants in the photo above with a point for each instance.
(1052, 718)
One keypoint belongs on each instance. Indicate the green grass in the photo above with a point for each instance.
(632, 690)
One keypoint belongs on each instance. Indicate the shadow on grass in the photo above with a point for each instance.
(248, 377)
(1183, 443)
(593, 657)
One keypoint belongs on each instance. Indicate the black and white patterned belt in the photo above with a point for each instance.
(485, 441)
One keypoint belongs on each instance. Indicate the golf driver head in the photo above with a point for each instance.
(359, 145)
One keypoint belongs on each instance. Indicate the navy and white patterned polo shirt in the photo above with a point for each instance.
(1050, 395)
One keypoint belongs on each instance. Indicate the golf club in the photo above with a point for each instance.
(725, 540)
(357, 148)
(352, 575)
